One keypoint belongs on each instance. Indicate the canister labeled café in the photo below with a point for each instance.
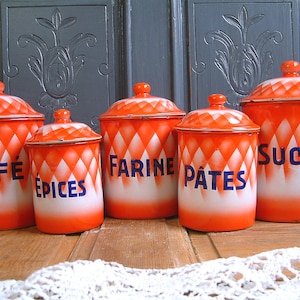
(18, 121)
(140, 156)
(217, 156)
(275, 106)
(66, 176)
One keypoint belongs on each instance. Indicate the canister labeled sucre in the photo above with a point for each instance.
(140, 156)
(275, 106)
(18, 121)
(217, 157)
(65, 167)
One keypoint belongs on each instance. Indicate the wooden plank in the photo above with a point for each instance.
(262, 236)
(84, 245)
(203, 246)
(162, 243)
(141, 243)
(24, 251)
(182, 249)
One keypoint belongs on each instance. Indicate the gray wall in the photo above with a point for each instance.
(84, 55)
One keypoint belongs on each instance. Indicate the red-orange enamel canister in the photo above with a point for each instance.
(217, 157)
(275, 106)
(140, 156)
(66, 176)
(18, 121)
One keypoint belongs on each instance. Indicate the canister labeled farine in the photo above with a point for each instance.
(275, 106)
(66, 176)
(18, 121)
(217, 157)
(140, 156)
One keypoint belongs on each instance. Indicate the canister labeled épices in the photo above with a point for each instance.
(140, 156)
(275, 106)
(217, 157)
(18, 121)
(66, 176)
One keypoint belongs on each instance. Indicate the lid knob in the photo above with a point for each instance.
(216, 101)
(290, 68)
(62, 116)
(142, 89)
(2, 87)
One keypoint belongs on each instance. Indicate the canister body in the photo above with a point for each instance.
(217, 181)
(15, 186)
(140, 167)
(67, 187)
(278, 170)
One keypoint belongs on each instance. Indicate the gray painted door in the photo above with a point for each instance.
(84, 55)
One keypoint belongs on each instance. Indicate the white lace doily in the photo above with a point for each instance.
(269, 275)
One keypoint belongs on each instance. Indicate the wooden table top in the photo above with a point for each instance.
(161, 244)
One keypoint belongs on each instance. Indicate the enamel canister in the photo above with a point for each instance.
(275, 106)
(18, 121)
(65, 166)
(217, 157)
(140, 156)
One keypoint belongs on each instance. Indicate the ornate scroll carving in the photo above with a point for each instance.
(243, 64)
(57, 65)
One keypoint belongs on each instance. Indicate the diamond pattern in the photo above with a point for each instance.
(217, 120)
(282, 88)
(64, 163)
(53, 133)
(142, 128)
(218, 152)
(138, 139)
(133, 107)
(14, 106)
(279, 129)
(274, 104)
(13, 137)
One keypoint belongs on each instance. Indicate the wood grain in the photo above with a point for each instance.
(142, 243)
(26, 250)
(154, 244)
(204, 247)
(84, 245)
(262, 236)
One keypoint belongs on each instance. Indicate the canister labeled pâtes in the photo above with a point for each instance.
(217, 157)
(18, 121)
(275, 106)
(66, 176)
(140, 156)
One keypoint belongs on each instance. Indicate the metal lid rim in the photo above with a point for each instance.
(60, 142)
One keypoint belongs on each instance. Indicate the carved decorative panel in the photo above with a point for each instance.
(86, 54)
(235, 46)
(60, 56)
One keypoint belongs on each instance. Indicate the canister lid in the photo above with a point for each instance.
(217, 118)
(142, 105)
(63, 131)
(12, 107)
(282, 88)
